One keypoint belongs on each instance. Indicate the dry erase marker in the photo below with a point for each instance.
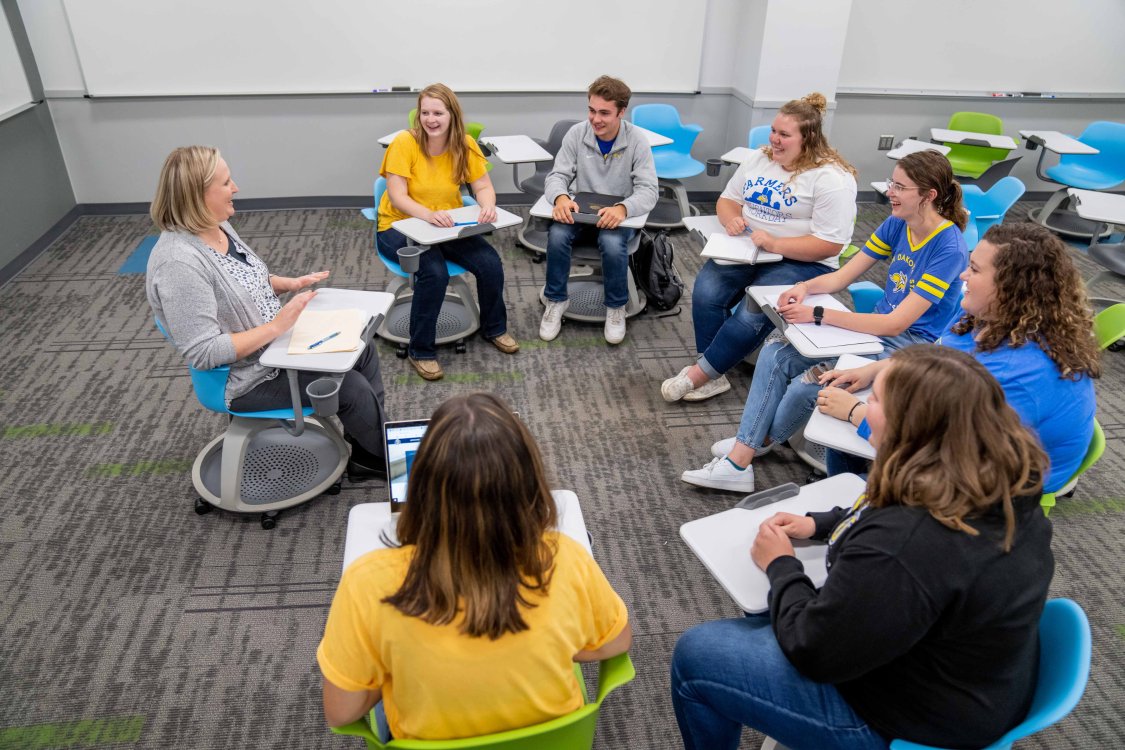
(330, 336)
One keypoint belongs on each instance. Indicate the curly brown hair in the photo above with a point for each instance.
(951, 443)
(809, 111)
(1040, 297)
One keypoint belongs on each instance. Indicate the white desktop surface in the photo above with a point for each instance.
(706, 226)
(960, 136)
(738, 154)
(425, 233)
(910, 146)
(1060, 143)
(837, 433)
(722, 541)
(516, 149)
(1098, 206)
(654, 139)
(543, 210)
(795, 333)
(388, 138)
(368, 521)
(277, 353)
(880, 187)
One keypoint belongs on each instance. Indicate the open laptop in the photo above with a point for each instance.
(400, 443)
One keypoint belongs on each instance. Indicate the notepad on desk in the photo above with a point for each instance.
(740, 249)
(822, 336)
(325, 331)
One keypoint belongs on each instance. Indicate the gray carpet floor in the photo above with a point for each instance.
(127, 621)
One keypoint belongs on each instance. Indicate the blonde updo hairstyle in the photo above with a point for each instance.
(809, 111)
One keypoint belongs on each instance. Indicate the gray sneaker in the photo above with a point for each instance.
(675, 387)
(709, 389)
(614, 325)
(552, 319)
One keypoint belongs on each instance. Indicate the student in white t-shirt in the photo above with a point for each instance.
(796, 198)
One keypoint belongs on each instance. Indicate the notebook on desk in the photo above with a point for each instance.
(325, 331)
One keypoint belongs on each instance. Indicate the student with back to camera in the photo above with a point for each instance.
(425, 168)
(926, 251)
(926, 627)
(1026, 318)
(473, 624)
(796, 197)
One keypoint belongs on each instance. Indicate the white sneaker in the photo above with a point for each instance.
(709, 389)
(676, 387)
(723, 448)
(552, 319)
(721, 474)
(614, 325)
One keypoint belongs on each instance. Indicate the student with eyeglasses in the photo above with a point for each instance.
(926, 251)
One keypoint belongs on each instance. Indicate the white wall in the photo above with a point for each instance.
(14, 91)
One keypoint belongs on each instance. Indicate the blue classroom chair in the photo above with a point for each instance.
(987, 209)
(1100, 171)
(673, 161)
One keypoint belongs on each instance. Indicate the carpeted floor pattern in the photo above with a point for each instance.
(126, 621)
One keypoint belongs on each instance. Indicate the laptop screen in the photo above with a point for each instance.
(401, 440)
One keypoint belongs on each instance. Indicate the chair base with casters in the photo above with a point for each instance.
(574, 731)
(671, 207)
(1058, 215)
(532, 234)
(459, 317)
(811, 453)
(1111, 257)
(586, 291)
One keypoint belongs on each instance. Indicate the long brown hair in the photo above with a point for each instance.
(809, 111)
(455, 140)
(1040, 297)
(477, 507)
(951, 443)
(932, 171)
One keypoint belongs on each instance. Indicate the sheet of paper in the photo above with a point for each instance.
(825, 336)
(317, 325)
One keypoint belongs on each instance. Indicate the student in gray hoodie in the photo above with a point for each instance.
(604, 155)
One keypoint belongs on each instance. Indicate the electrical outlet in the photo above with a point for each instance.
(886, 142)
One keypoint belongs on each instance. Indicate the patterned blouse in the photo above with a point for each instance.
(252, 274)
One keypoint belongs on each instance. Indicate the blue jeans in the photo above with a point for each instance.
(780, 402)
(723, 339)
(841, 462)
(614, 247)
(730, 673)
(476, 256)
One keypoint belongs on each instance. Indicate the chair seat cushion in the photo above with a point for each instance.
(673, 166)
(1081, 176)
(968, 165)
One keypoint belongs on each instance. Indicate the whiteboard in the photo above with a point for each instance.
(229, 47)
(14, 91)
(1042, 46)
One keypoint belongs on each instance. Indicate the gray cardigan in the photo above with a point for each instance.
(626, 170)
(201, 305)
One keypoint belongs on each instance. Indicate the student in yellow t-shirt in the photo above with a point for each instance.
(473, 624)
(425, 168)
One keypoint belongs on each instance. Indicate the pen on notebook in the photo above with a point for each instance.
(330, 336)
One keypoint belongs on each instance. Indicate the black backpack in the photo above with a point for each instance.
(655, 271)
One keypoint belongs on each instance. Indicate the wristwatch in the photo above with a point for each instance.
(818, 315)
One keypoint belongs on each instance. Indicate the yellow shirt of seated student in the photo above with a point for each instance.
(440, 684)
(428, 181)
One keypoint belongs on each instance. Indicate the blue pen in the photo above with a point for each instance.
(332, 335)
(465, 223)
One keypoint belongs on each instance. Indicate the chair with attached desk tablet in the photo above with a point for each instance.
(972, 157)
(586, 290)
(1103, 211)
(460, 315)
(1093, 161)
(673, 162)
(533, 233)
(269, 460)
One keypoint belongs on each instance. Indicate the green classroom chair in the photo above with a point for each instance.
(1109, 326)
(1093, 453)
(972, 161)
(575, 731)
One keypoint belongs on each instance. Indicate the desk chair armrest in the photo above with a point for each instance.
(613, 673)
(359, 728)
(693, 128)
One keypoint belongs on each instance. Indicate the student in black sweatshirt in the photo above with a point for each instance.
(927, 627)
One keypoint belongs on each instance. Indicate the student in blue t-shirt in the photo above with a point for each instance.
(922, 240)
(1028, 321)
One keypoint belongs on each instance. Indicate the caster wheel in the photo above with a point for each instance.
(400, 352)
(537, 259)
(1117, 346)
(269, 520)
(460, 347)
(815, 476)
(333, 490)
(202, 507)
